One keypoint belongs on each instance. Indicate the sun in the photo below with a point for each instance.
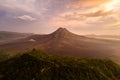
(111, 5)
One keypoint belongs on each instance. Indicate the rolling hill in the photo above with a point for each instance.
(36, 65)
(64, 42)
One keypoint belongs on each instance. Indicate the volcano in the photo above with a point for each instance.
(64, 42)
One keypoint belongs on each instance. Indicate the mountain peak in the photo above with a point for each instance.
(61, 32)
(61, 28)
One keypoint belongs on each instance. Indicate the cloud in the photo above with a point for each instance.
(74, 16)
(20, 6)
(26, 18)
(87, 14)
(99, 13)
(87, 3)
(29, 1)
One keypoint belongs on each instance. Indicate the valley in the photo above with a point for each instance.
(65, 43)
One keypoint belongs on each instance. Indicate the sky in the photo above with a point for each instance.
(45, 16)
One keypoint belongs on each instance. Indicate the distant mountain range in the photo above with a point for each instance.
(6, 36)
(64, 42)
(106, 37)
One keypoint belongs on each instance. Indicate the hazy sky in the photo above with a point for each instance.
(44, 16)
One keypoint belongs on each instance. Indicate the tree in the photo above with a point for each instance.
(3, 55)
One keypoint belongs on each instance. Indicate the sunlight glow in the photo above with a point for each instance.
(111, 5)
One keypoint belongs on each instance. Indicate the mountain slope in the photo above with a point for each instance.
(37, 66)
(63, 42)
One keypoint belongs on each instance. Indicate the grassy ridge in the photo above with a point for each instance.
(36, 65)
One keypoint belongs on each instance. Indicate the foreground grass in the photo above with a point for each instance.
(37, 65)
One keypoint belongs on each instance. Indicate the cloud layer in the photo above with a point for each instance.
(42, 16)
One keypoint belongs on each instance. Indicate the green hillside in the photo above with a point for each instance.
(36, 65)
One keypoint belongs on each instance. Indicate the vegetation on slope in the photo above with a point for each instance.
(36, 65)
(4, 55)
